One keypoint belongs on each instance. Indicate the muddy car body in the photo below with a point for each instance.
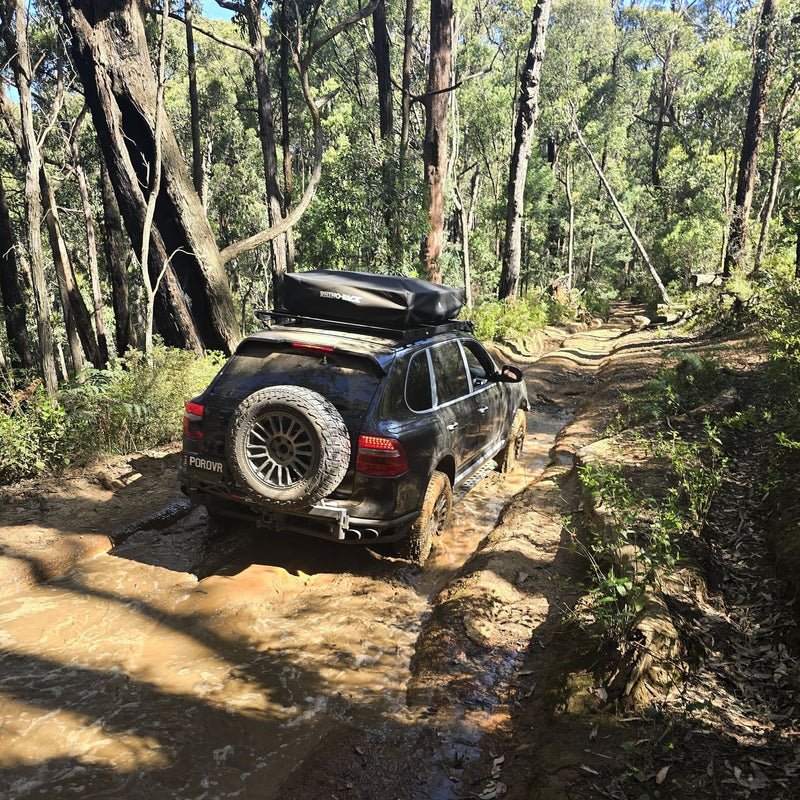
(350, 431)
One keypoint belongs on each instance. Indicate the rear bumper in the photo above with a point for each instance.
(381, 508)
(324, 520)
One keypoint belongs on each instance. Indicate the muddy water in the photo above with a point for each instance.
(188, 666)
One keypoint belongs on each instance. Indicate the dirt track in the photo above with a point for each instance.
(177, 665)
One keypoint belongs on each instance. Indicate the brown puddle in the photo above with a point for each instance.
(130, 677)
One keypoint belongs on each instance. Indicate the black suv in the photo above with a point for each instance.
(353, 414)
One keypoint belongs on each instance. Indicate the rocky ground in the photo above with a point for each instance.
(705, 708)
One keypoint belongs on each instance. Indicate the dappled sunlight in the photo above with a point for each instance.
(35, 735)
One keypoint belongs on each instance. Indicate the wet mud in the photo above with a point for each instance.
(188, 663)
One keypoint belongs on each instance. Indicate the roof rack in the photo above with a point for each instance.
(269, 318)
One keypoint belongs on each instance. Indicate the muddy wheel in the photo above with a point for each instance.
(510, 454)
(289, 446)
(436, 507)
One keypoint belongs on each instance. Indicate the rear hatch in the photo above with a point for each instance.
(347, 374)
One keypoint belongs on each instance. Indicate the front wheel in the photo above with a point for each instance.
(512, 451)
(434, 516)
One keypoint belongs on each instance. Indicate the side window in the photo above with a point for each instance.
(479, 363)
(418, 383)
(448, 368)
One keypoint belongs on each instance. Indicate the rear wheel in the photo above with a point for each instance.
(511, 453)
(434, 516)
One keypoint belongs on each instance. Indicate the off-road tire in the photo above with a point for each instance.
(437, 506)
(288, 446)
(510, 454)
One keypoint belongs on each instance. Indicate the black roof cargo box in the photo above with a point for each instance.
(387, 301)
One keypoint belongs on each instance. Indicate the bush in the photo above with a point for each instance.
(688, 383)
(134, 405)
(497, 320)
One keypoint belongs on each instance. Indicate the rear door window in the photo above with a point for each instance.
(450, 372)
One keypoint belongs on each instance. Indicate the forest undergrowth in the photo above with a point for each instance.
(691, 547)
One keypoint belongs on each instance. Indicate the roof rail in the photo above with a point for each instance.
(269, 318)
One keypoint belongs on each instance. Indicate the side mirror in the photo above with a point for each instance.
(510, 374)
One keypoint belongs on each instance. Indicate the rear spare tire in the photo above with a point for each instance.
(289, 446)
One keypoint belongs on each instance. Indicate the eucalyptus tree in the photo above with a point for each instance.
(15, 307)
(110, 51)
(14, 16)
(527, 113)
(434, 149)
(748, 161)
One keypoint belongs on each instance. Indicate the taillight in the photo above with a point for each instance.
(381, 457)
(192, 414)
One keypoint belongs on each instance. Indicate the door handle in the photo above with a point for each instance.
(483, 409)
(452, 427)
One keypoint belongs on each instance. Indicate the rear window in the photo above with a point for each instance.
(347, 381)
(418, 383)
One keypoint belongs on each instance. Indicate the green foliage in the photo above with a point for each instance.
(779, 314)
(779, 321)
(638, 542)
(498, 320)
(688, 383)
(32, 440)
(134, 405)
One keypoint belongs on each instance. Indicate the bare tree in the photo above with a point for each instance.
(434, 150)
(527, 113)
(748, 163)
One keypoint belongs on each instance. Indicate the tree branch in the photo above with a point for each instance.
(318, 44)
(218, 39)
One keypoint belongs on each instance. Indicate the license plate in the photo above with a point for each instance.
(208, 466)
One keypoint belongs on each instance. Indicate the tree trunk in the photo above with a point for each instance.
(194, 103)
(571, 224)
(31, 158)
(286, 140)
(664, 102)
(383, 70)
(117, 252)
(408, 56)
(774, 176)
(527, 113)
(91, 250)
(77, 320)
(464, 229)
(110, 53)
(266, 127)
(797, 250)
(14, 307)
(748, 164)
(434, 151)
